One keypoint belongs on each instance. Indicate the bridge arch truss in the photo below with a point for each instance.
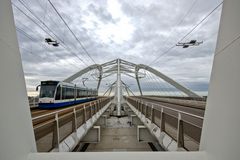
(129, 69)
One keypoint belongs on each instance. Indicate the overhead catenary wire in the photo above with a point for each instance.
(188, 33)
(186, 83)
(38, 25)
(84, 49)
(32, 39)
(31, 19)
(64, 45)
(201, 21)
(37, 74)
(52, 20)
(26, 7)
(181, 20)
(35, 40)
(179, 23)
(86, 79)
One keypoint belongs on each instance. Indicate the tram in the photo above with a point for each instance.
(57, 94)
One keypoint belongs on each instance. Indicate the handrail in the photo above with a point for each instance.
(53, 113)
(194, 132)
(179, 111)
(62, 117)
(175, 110)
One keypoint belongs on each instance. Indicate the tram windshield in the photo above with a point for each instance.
(47, 89)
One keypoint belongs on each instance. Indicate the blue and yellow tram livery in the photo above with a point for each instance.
(56, 94)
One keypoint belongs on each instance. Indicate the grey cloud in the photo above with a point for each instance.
(153, 23)
(101, 13)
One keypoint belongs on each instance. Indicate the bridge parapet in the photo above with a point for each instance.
(181, 127)
(62, 130)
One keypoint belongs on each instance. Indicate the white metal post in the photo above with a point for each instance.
(56, 135)
(138, 83)
(118, 89)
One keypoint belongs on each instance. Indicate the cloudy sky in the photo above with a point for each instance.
(139, 31)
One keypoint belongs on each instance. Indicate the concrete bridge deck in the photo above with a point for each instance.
(118, 135)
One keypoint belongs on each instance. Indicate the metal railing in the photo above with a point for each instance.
(33, 102)
(52, 128)
(182, 126)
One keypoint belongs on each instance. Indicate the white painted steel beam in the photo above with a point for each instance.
(167, 79)
(221, 129)
(83, 71)
(120, 66)
(137, 79)
(118, 89)
(16, 132)
(99, 77)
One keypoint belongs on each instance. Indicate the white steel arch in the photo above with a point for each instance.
(165, 78)
(85, 70)
(119, 66)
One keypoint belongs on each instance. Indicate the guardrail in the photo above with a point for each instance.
(33, 102)
(187, 125)
(178, 101)
(52, 128)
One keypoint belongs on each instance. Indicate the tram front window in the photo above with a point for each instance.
(47, 91)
